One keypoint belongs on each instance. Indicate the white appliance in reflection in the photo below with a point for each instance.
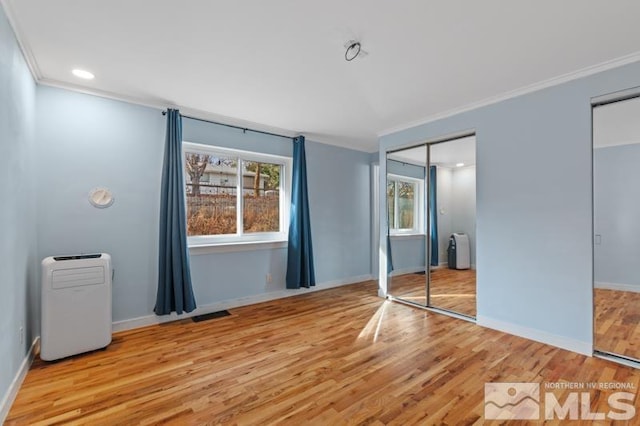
(76, 305)
(459, 251)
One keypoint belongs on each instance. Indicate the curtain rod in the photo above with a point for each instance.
(244, 129)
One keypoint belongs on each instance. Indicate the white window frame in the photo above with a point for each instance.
(418, 206)
(240, 237)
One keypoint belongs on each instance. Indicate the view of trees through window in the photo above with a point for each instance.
(261, 205)
(401, 203)
(213, 184)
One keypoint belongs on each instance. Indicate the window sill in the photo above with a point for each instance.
(406, 236)
(196, 250)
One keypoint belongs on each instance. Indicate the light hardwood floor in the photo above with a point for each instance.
(451, 289)
(340, 356)
(617, 322)
(409, 287)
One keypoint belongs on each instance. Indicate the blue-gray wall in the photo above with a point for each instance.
(405, 169)
(534, 215)
(444, 199)
(463, 206)
(616, 214)
(86, 141)
(407, 253)
(19, 306)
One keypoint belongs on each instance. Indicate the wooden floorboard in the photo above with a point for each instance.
(451, 289)
(617, 322)
(339, 356)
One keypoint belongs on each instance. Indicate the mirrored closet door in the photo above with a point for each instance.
(616, 223)
(430, 199)
(406, 208)
(453, 200)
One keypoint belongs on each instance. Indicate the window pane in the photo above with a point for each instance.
(406, 195)
(391, 193)
(261, 197)
(211, 194)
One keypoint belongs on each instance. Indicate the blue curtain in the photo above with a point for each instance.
(174, 277)
(300, 270)
(433, 215)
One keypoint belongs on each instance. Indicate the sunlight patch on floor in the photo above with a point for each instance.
(374, 323)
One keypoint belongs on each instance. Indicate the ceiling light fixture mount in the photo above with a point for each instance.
(353, 50)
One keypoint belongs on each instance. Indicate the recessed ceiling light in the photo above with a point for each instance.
(83, 74)
(459, 164)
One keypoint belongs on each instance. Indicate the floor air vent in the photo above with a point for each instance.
(210, 316)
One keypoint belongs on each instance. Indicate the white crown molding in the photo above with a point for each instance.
(197, 113)
(554, 81)
(27, 53)
(162, 104)
(156, 104)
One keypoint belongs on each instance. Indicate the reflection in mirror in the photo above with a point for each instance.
(405, 216)
(453, 198)
(616, 209)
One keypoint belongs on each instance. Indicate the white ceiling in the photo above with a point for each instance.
(617, 124)
(280, 63)
(446, 154)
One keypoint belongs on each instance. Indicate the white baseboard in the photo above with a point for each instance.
(415, 269)
(146, 320)
(404, 271)
(446, 265)
(617, 286)
(15, 385)
(584, 348)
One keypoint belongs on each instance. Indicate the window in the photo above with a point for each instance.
(405, 206)
(235, 196)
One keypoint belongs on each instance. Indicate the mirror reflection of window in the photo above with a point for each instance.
(403, 204)
(391, 204)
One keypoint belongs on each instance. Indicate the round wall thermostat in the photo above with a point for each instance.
(100, 198)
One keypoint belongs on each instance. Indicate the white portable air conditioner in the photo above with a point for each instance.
(76, 305)
(459, 254)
